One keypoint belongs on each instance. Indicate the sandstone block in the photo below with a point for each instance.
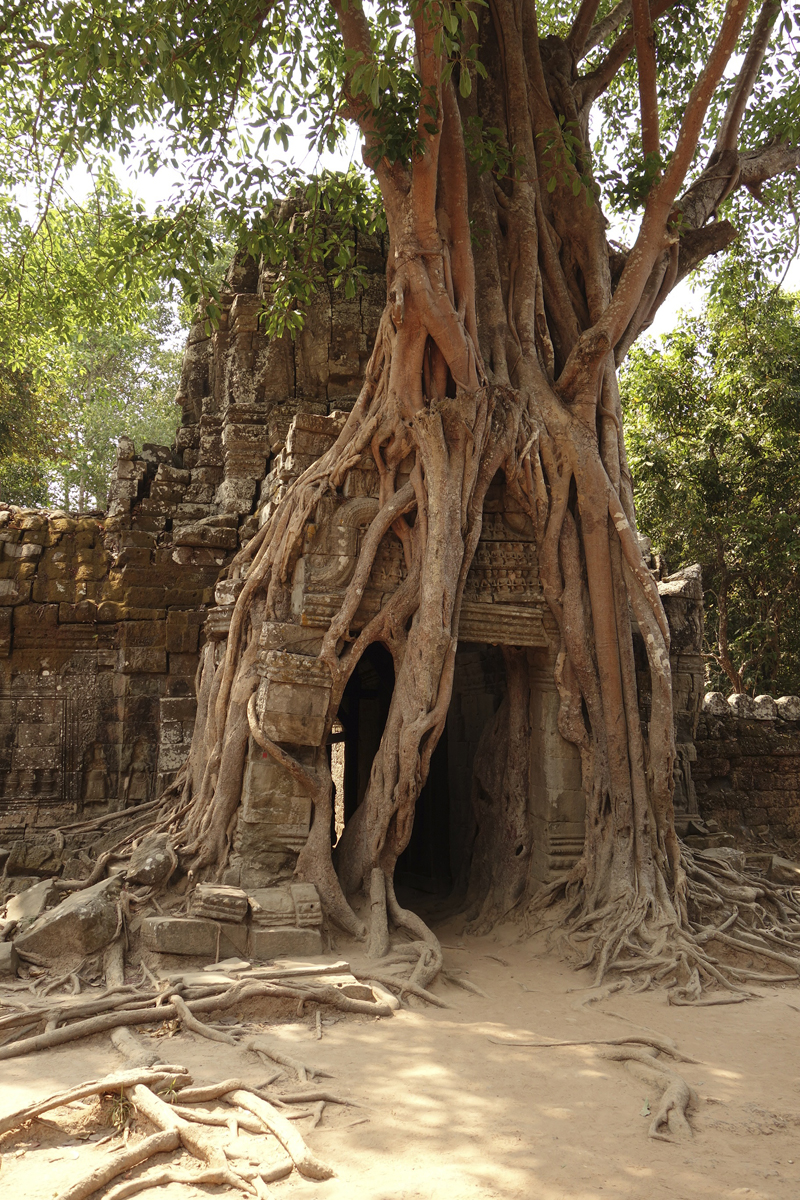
(783, 870)
(152, 862)
(741, 706)
(5, 632)
(788, 708)
(765, 708)
(81, 924)
(284, 942)
(9, 959)
(200, 534)
(182, 632)
(292, 698)
(183, 664)
(193, 935)
(219, 902)
(147, 660)
(178, 708)
(14, 591)
(31, 903)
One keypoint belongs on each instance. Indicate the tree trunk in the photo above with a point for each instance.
(495, 352)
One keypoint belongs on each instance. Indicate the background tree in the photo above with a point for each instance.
(84, 357)
(507, 311)
(713, 434)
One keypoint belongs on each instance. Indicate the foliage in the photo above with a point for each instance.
(224, 93)
(83, 356)
(713, 431)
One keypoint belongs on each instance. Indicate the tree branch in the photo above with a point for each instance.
(593, 85)
(646, 62)
(653, 229)
(582, 25)
(356, 37)
(425, 165)
(609, 24)
(728, 135)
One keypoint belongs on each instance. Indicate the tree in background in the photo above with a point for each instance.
(84, 357)
(112, 382)
(508, 311)
(713, 436)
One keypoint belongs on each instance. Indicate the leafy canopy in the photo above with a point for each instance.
(84, 355)
(713, 432)
(217, 93)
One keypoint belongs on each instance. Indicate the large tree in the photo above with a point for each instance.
(508, 311)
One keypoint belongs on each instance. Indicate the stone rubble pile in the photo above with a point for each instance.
(42, 927)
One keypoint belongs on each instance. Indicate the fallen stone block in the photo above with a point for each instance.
(152, 862)
(275, 943)
(219, 902)
(30, 904)
(296, 905)
(9, 959)
(32, 858)
(727, 854)
(81, 924)
(193, 935)
(783, 870)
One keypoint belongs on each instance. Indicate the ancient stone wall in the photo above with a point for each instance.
(102, 615)
(747, 773)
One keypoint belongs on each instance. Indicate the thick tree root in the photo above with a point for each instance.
(180, 1127)
(677, 1096)
(657, 1045)
(96, 1087)
(639, 1053)
(746, 915)
(221, 997)
(122, 1161)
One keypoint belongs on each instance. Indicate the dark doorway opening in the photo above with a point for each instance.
(437, 859)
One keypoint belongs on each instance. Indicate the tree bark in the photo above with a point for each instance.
(496, 352)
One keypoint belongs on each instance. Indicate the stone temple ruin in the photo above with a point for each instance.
(102, 617)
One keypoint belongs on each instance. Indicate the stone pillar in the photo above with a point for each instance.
(556, 802)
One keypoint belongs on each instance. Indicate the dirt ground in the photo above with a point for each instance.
(446, 1112)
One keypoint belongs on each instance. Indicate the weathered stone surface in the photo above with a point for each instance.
(82, 923)
(742, 706)
(747, 773)
(284, 941)
(28, 858)
(31, 903)
(292, 699)
(152, 862)
(296, 904)
(218, 902)
(764, 708)
(9, 959)
(193, 935)
(788, 708)
(727, 854)
(715, 705)
(275, 807)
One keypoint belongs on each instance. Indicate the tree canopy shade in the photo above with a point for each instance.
(713, 431)
(508, 309)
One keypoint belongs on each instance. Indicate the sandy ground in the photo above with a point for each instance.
(448, 1113)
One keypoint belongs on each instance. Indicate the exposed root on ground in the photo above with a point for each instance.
(640, 1056)
(163, 1097)
(752, 924)
(66, 1019)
